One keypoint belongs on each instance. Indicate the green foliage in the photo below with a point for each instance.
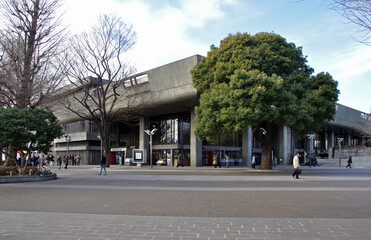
(43, 173)
(5, 171)
(252, 80)
(28, 129)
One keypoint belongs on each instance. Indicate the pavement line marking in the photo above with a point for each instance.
(216, 189)
(212, 178)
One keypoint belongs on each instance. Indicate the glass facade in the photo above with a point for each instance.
(175, 131)
(125, 134)
(172, 129)
(230, 140)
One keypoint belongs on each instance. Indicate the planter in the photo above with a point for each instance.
(16, 179)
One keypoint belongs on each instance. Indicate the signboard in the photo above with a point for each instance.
(139, 156)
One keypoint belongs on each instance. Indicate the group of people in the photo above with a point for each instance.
(35, 160)
(68, 160)
(218, 163)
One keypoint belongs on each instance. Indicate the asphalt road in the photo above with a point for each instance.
(197, 192)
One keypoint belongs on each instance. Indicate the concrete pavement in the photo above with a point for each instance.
(46, 226)
(186, 203)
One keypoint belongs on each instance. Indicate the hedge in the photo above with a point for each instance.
(5, 171)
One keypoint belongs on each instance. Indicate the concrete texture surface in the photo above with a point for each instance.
(189, 203)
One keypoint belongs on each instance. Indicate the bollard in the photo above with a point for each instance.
(30, 172)
(11, 173)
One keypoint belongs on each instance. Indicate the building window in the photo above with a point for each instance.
(172, 129)
(135, 80)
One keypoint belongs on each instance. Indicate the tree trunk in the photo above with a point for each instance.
(107, 150)
(266, 140)
(266, 162)
(106, 141)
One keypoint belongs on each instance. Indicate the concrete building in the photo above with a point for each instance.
(165, 99)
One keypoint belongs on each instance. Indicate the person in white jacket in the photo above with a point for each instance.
(296, 165)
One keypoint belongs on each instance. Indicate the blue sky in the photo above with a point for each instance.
(169, 30)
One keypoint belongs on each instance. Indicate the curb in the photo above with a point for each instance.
(17, 179)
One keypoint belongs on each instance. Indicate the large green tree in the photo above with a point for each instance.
(27, 130)
(260, 81)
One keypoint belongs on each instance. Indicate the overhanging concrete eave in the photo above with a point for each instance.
(346, 128)
(163, 109)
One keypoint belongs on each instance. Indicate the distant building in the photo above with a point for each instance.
(165, 100)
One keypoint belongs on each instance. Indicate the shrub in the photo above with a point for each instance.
(46, 172)
(5, 171)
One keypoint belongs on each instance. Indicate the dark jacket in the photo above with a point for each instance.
(103, 161)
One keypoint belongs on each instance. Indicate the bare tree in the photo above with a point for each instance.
(95, 72)
(357, 12)
(30, 40)
(365, 126)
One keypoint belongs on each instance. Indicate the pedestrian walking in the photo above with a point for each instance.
(103, 165)
(73, 159)
(65, 158)
(78, 160)
(227, 160)
(59, 161)
(349, 162)
(253, 161)
(180, 160)
(69, 159)
(215, 162)
(296, 166)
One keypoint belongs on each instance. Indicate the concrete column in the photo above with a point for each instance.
(331, 139)
(143, 137)
(247, 147)
(285, 145)
(348, 140)
(196, 145)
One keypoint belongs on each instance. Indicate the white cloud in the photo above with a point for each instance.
(350, 63)
(170, 30)
(162, 30)
(351, 67)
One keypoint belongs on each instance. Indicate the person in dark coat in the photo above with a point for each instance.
(180, 161)
(65, 159)
(103, 165)
(349, 162)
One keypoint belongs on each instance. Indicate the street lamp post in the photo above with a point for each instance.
(310, 137)
(339, 142)
(101, 146)
(150, 133)
(68, 139)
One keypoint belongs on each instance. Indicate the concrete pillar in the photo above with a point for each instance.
(348, 140)
(196, 145)
(143, 137)
(247, 147)
(285, 145)
(331, 139)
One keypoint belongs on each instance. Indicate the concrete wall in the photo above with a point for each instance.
(358, 162)
(361, 158)
(347, 117)
(169, 88)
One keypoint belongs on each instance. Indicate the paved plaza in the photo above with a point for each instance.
(189, 203)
